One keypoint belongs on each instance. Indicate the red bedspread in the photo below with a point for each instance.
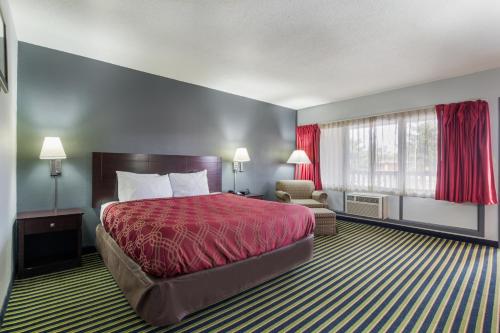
(169, 237)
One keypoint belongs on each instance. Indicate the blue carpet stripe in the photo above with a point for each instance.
(348, 264)
(443, 265)
(328, 289)
(365, 279)
(340, 301)
(307, 269)
(493, 312)
(377, 292)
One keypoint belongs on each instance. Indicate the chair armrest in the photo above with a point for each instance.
(283, 196)
(320, 196)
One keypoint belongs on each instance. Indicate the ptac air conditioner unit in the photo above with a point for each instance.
(367, 204)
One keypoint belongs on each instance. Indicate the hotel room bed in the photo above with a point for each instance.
(172, 257)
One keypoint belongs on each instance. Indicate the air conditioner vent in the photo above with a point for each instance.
(369, 205)
(368, 200)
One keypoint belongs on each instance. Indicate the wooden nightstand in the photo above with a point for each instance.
(48, 241)
(254, 196)
(250, 195)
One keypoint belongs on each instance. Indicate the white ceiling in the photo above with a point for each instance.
(294, 53)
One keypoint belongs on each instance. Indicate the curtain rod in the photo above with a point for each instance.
(394, 112)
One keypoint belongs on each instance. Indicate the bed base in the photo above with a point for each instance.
(163, 301)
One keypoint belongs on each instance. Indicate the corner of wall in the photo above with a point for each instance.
(8, 157)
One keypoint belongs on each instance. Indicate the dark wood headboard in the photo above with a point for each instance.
(105, 165)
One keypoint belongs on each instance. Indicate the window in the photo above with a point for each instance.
(393, 154)
(421, 154)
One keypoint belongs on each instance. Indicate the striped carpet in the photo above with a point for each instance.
(365, 279)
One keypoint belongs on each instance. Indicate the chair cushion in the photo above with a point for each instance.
(308, 203)
(298, 189)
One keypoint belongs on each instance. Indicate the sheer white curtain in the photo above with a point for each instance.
(393, 154)
(420, 153)
(332, 145)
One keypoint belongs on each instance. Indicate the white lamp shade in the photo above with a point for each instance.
(241, 155)
(52, 149)
(299, 157)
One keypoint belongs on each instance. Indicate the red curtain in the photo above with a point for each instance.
(465, 165)
(307, 139)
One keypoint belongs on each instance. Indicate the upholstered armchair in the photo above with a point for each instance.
(300, 192)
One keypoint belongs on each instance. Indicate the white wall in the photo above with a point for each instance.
(483, 85)
(8, 114)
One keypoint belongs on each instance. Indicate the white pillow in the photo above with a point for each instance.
(189, 184)
(136, 186)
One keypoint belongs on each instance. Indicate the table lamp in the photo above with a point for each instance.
(299, 157)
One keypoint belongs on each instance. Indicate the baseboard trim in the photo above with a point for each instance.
(427, 232)
(3, 310)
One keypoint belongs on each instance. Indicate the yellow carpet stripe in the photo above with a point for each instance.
(88, 291)
(360, 262)
(305, 278)
(382, 297)
(451, 259)
(305, 313)
(461, 292)
(48, 277)
(138, 323)
(41, 297)
(486, 290)
(103, 318)
(57, 281)
(102, 279)
(54, 314)
(496, 307)
(304, 275)
(408, 258)
(449, 289)
(464, 322)
(79, 298)
(54, 318)
(73, 278)
(106, 326)
(401, 285)
(416, 270)
(323, 283)
(441, 286)
(53, 305)
(100, 316)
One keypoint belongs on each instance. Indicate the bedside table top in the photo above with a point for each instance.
(49, 213)
(254, 195)
(250, 195)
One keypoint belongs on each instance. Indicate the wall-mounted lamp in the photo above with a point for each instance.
(52, 149)
(240, 156)
(299, 157)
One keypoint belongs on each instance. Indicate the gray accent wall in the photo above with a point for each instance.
(8, 109)
(97, 106)
(483, 85)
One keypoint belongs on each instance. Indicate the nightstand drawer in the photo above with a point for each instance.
(51, 224)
